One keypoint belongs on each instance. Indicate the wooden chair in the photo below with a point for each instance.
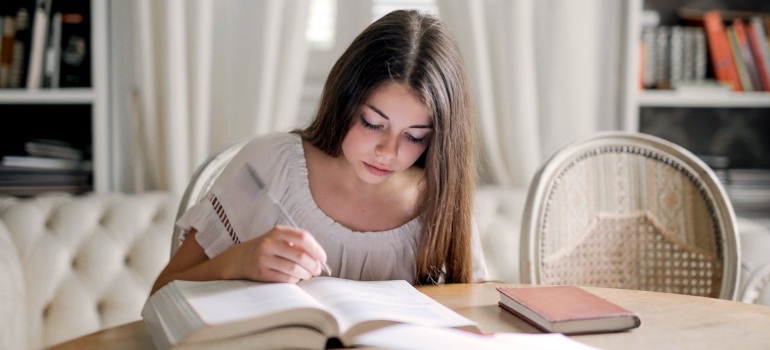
(632, 211)
(202, 179)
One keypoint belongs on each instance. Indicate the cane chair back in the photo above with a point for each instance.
(632, 211)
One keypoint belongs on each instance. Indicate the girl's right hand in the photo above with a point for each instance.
(283, 254)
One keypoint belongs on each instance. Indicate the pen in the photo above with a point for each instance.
(285, 213)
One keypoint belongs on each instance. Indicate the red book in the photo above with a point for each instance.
(566, 309)
(719, 50)
(758, 44)
(748, 56)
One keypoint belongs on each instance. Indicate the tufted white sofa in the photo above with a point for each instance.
(72, 265)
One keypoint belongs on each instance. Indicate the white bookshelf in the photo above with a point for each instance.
(96, 96)
(634, 99)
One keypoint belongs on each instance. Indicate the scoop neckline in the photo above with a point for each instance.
(304, 179)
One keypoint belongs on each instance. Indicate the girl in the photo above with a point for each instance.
(381, 181)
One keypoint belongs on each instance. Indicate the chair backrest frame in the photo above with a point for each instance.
(548, 176)
(202, 180)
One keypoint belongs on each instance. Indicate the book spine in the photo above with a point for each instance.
(740, 63)
(662, 57)
(75, 49)
(758, 39)
(9, 37)
(19, 49)
(739, 27)
(39, 38)
(52, 58)
(648, 38)
(676, 56)
(688, 54)
(701, 54)
(719, 50)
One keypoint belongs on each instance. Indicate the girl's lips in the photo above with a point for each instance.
(377, 171)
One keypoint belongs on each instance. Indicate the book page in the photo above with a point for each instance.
(355, 302)
(405, 336)
(227, 301)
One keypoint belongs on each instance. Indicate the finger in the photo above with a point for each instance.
(300, 259)
(303, 240)
(281, 248)
(290, 268)
(271, 275)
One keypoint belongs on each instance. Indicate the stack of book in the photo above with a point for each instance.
(48, 165)
(749, 189)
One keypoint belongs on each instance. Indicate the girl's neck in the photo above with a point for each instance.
(358, 205)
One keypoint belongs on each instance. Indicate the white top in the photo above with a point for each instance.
(234, 210)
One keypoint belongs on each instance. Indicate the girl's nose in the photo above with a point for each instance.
(387, 147)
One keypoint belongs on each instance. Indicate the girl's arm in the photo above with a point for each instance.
(283, 254)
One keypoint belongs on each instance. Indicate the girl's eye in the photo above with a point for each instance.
(368, 125)
(415, 139)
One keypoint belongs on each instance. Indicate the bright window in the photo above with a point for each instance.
(320, 27)
(320, 32)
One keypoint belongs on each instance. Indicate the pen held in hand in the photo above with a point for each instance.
(281, 208)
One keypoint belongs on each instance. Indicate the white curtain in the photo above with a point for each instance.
(206, 73)
(543, 73)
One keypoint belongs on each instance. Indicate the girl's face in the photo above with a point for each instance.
(391, 131)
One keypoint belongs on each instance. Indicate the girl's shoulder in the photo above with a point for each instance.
(268, 154)
(274, 141)
(270, 147)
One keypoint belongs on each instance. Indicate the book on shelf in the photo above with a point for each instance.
(761, 49)
(749, 177)
(53, 53)
(75, 46)
(45, 163)
(308, 314)
(19, 176)
(672, 54)
(648, 58)
(40, 29)
(740, 63)
(662, 58)
(6, 55)
(719, 49)
(566, 309)
(52, 149)
(20, 48)
(742, 39)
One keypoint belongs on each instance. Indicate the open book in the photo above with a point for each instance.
(305, 315)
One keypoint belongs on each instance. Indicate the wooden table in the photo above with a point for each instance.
(669, 321)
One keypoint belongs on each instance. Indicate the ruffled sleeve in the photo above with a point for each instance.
(235, 210)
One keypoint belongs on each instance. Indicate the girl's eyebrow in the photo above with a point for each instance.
(382, 114)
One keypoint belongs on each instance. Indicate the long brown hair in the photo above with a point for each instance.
(416, 49)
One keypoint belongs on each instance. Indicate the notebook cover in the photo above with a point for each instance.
(558, 304)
